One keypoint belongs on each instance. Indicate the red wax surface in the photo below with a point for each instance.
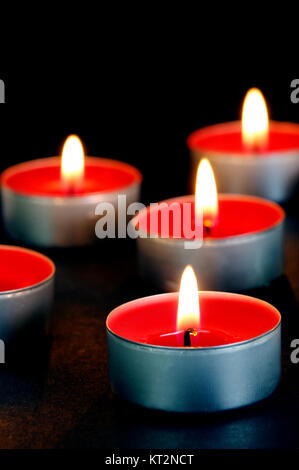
(203, 338)
(21, 268)
(238, 215)
(226, 138)
(224, 319)
(42, 177)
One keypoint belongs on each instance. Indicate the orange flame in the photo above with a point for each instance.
(255, 120)
(72, 163)
(206, 199)
(188, 306)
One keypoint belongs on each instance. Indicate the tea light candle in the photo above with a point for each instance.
(52, 201)
(26, 292)
(163, 355)
(254, 156)
(242, 241)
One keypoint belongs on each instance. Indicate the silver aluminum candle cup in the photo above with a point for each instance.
(59, 221)
(232, 264)
(25, 307)
(273, 175)
(207, 379)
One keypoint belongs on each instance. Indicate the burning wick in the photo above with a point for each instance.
(187, 336)
(208, 229)
(255, 121)
(71, 189)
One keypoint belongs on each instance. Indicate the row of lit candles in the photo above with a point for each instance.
(51, 202)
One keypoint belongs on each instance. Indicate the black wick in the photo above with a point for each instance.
(71, 189)
(208, 230)
(187, 338)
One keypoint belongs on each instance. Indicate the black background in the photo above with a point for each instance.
(140, 110)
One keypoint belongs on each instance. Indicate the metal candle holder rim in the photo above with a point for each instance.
(192, 349)
(33, 286)
(52, 161)
(221, 240)
(227, 127)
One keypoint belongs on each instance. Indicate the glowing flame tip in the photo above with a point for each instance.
(206, 198)
(255, 121)
(188, 307)
(72, 161)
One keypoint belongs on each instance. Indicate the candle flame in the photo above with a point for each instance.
(255, 121)
(72, 163)
(188, 306)
(206, 199)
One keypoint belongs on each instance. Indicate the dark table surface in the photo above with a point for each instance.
(59, 396)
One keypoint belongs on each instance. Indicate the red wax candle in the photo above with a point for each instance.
(26, 292)
(235, 361)
(227, 139)
(43, 177)
(237, 216)
(243, 250)
(22, 268)
(265, 163)
(42, 206)
(224, 319)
